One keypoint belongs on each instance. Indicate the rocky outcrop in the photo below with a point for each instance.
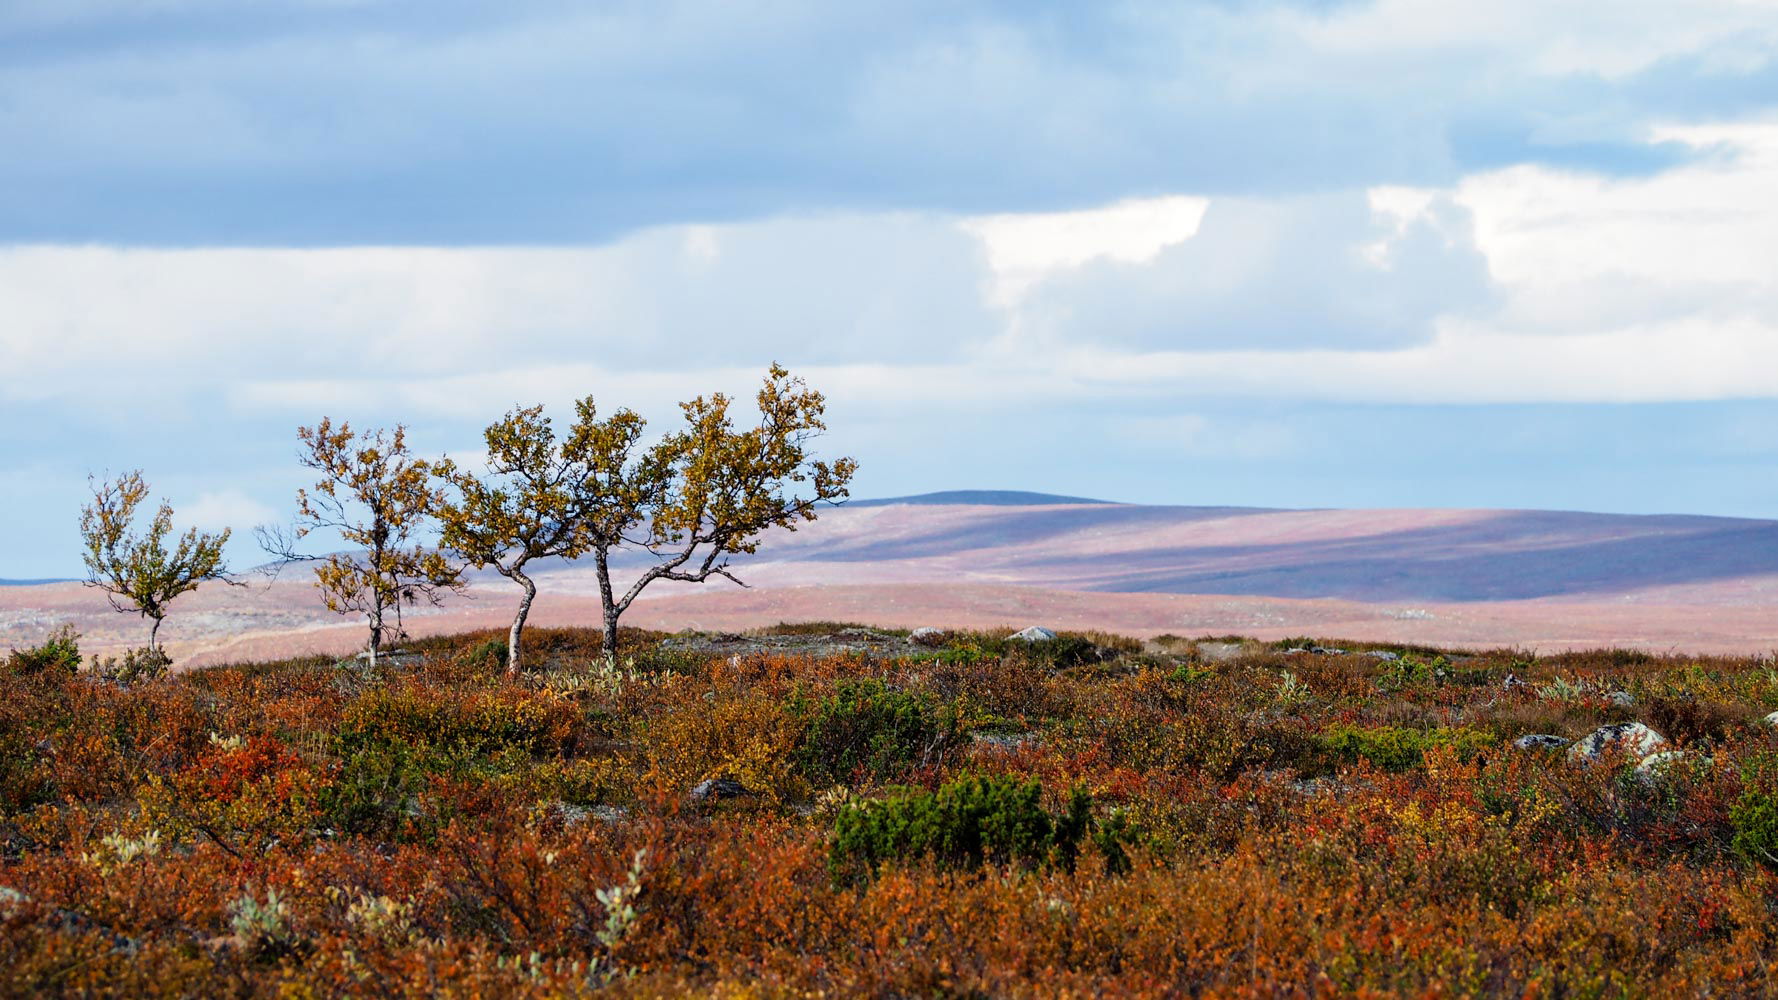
(1631, 737)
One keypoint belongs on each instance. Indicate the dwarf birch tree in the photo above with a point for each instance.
(523, 510)
(376, 495)
(702, 494)
(137, 572)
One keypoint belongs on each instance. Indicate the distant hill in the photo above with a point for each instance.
(979, 498)
(33, 583)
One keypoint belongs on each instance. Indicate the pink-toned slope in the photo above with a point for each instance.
(1462, 577)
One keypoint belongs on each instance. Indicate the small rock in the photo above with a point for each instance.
(1512, 681)
(1622, 699)
(1036, 633)
(1633, 736)
(1772, 720)
(1656, 765)
(1540, 741)
(1381, 654)
(11, 901)
(1326, 651)
(1003, 741)
(928, 636)
(1295, 651)
(719, 788)
(573, 815)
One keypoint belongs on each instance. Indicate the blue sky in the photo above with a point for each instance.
(1288, 254)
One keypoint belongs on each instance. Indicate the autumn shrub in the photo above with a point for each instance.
(59, 653)
(748, 737)
(1393, 748)
(866, 728)
(490, 729)
(243, 793)
(965, 823)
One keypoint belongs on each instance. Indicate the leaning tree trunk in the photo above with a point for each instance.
(153, 630)
(514, 635)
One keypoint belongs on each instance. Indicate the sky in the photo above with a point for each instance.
(1389, 254)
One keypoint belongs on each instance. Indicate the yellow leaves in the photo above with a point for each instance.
(138, 572)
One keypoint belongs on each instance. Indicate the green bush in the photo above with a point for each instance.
(866, 728)
(1395, 748)
(492, 650)
(137, 665)
(60, 653)
(964, 824)
(1754, 816)
(378, 792)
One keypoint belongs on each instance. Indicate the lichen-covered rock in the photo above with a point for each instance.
(1659, 765)
(1036, 633)
(1540, 741)
(1772, 720)
(1622, 699)
(1633, 737)
(928, 636)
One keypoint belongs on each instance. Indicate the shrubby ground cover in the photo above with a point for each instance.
(966, 816)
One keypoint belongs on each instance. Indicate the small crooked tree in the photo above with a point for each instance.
(137, 572)
(376, 495)
(702, 494)
(524, 509)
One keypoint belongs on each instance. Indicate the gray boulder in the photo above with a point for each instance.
(1540, 741)
(1634, 737)
(1036, 633)
(1622, 699)
(1659, 765)
(1381, 654)
(1772, 720)
(719, 788)
(928, 636)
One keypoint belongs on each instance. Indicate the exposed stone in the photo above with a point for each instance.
(1656, 766)
(1003, 741)
(1381, 654)
(1622, 699)
(1772, 720)
(928, 636)
(1036, 633)
(573, 815)
(719, 788)
(1326, 651)
(1540, 741)
(1635, 737)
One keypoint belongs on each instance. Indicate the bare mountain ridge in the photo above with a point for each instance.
(1541, 579)
(1360, 555)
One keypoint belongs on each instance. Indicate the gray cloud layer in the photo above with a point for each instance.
(539, 121)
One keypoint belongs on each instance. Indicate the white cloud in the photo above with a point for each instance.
(1024, 249)
(219, 509)
(1519, 285)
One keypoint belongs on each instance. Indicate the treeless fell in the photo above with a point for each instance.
(136, 572)
(702, 494)
(376, 495)
(523, 510)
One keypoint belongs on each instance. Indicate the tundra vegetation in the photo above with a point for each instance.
(828, 810)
